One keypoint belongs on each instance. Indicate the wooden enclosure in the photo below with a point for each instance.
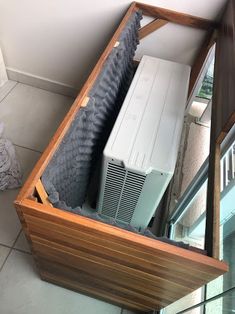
(101, 260)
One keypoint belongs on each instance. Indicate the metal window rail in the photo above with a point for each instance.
(220, 295)
(227, 170)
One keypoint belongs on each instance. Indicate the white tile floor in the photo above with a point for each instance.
(31, 116)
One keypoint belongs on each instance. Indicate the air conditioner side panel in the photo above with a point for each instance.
(153, 190)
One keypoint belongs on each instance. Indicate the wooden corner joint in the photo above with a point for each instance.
(32, 198)
(42, 194)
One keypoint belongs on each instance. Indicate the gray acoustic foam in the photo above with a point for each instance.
(68, 174)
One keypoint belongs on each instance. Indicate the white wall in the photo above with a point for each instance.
(62, 39)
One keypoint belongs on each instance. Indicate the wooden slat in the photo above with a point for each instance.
(42, 193)
(100, 273)
(151, 27)
(67, 277)
(125, 237)
(176, 17)
(64, 234)
(120, 270)
(148, 272)
(112, 279)
(224, 97)
(119, 280)
(212, 233)
(200, 60)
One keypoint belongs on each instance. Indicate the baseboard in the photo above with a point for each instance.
(41, 82)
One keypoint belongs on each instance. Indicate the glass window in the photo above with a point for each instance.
(225, 304)
(221, 305)
(206, 89)
(227, 236)
(190, 228)
(187, 301)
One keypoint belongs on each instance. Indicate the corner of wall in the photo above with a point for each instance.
(3, 73)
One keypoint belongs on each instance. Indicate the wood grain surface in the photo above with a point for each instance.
(176, 17)
(136, 271)
(151, 27)
(224, 93)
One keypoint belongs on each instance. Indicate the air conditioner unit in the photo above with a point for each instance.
(140, 155)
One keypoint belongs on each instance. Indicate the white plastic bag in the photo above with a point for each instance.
(10, 173)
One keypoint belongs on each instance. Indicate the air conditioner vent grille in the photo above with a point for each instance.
(121, 193)
(112, 191)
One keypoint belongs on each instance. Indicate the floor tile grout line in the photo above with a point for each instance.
(9, 91)
(4, 262)
(46, 90)
(21, 251)
(49, 91)
(15, 248)
(5, 245)
(33, 150)
(10, 251)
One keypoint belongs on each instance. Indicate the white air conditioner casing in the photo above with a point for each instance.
(140, 155)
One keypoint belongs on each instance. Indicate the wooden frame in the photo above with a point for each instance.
(176, 17)
(200, 59)
(223, 119)
(98, 259)
(151, 27)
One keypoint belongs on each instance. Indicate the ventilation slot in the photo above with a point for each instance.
(122, 192)
(113, 188)
(130, 195)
